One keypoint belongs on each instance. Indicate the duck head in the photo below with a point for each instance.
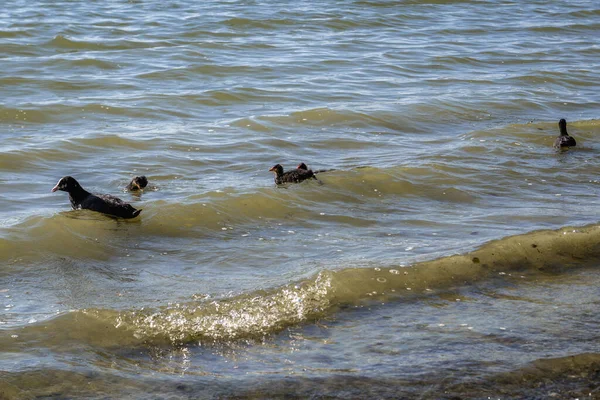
(138, 183)
(66, 184)
(562, 125)
(277, 169)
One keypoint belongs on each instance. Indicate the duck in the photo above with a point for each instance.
(293, 176)
(564, 140)
(81, 199)
(137, 183)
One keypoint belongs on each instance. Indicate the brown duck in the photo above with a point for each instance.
(292, 176)
(137, 183)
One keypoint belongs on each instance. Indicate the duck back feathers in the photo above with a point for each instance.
(292, 176)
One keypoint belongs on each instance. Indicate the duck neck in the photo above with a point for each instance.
(77, 195)
(563, 131)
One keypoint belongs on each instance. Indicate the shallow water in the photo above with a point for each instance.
(448, 251)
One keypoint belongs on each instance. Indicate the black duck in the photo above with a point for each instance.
(104, 203)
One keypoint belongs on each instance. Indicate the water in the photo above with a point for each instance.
(449, 253)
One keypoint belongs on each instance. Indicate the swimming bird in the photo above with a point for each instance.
(137, 183)
(564, 140)
(104, 203)
(293, 176)
(304, 167)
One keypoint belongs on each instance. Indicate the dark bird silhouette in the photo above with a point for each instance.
(137, 183)
(105, 203)
(564, 140)
(304, 167)
(293, 176)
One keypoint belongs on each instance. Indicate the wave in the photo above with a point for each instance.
(571, 28)
(573, 377)
(64, 85)
(109, 141)
(77, 234)
(215, 70)
(15, 33)
(248, 23)
(328, 117)
(261, 313)
(245, 95)
(64, 42)
(27, 116)
(534, 133)
(63, 113)
(85, 63)
(19, 158)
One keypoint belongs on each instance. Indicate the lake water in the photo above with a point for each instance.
(449, 252)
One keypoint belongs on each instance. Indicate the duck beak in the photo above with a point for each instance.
(272, 169)
(54, 189)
